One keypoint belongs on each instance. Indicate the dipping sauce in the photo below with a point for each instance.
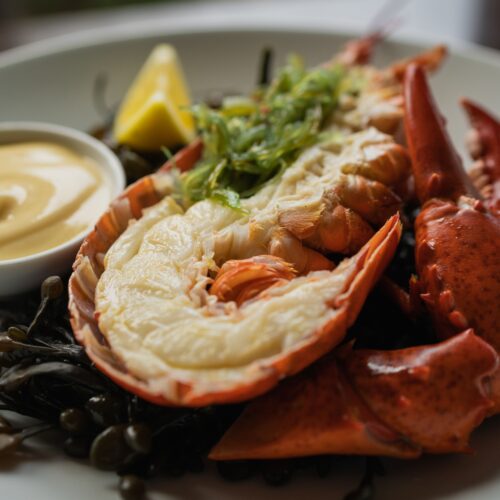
(48, 195)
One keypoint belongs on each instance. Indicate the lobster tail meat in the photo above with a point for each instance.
(438, 169)
(484, 146)
(230, 351)
(393, 403)
(242, 280)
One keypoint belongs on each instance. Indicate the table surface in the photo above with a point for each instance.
(443, 20)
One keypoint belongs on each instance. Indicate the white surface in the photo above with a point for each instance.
(26, 273)
(56, 85)
(447, 20)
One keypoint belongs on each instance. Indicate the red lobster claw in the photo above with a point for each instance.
(393, 403)
(486, 152)
(438, 168)
(457, 238)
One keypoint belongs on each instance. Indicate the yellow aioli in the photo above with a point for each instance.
(48, 195)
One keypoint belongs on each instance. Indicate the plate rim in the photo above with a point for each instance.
(102, 35)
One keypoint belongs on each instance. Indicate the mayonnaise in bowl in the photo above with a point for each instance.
(55, 182)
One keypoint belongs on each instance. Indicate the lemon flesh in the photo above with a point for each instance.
(155, 112)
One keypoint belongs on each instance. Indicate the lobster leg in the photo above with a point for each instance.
(360, 50)
(430, 60)
(393, 403)
(484, 146)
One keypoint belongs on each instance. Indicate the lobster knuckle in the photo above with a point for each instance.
(433, 395)
(316, 412)
(392, 403)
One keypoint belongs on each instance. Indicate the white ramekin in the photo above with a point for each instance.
(25, 273)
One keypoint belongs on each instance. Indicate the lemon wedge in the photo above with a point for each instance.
(155, 112)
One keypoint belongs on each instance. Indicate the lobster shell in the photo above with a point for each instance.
(88, 267)
(360, 275)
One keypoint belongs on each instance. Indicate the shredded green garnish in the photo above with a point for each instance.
(251, 139)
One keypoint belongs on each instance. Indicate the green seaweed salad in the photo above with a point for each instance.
(250, 140)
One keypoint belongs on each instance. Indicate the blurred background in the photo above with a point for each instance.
(24, 21)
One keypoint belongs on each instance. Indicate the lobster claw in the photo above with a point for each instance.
(437, 167)
(486, 152)
(457, 248)
(393, 403)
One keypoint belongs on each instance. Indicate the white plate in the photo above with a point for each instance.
(53, 82)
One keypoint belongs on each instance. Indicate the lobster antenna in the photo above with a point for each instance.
(387, 19)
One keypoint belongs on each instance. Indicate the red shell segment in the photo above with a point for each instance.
(458, 263)
(437, 167)
(457, 249)
(433, 395)
(394, 403)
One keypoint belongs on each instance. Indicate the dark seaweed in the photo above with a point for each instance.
(366, 488)
(136, 164)
(46, 375)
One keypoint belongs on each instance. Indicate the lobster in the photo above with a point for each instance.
(424, 399)
(484, 146)
(355, 401)
(370, 182)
